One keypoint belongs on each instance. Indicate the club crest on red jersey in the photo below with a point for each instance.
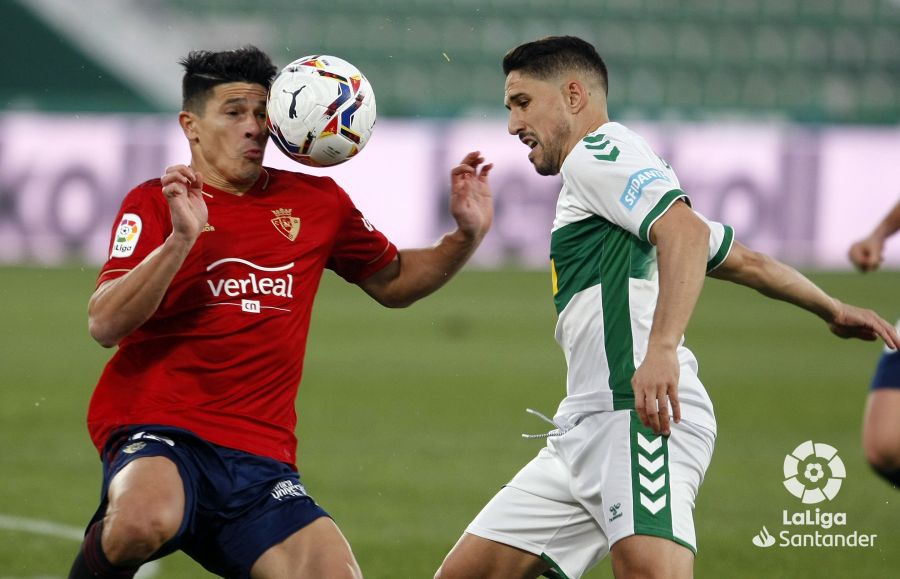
(286, 225)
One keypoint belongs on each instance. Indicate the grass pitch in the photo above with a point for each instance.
(410, 420)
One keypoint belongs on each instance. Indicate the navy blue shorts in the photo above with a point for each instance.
(887, 373)
(237, 505)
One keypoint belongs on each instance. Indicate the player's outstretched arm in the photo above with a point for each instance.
(418, 272)
(122, 305)
(868, 253)
(779, 281)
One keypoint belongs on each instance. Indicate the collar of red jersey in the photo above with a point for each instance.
(262, 187)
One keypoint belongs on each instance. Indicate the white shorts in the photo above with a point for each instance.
(607, 478)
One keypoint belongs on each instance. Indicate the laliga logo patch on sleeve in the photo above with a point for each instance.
(126, 236)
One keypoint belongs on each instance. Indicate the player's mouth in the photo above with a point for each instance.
(531, 142)
(253, 154)
(528, 140)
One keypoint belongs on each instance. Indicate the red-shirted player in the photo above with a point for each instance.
(207, 292)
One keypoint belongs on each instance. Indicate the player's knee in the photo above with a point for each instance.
(885, 462)
(132, 539)
(881, 456)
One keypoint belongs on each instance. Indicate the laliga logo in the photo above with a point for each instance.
(813, 472)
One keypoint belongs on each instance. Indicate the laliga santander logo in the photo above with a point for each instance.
(813, 472)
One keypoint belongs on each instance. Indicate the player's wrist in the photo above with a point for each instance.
(466, 237)
(662, 345)
(180, 242)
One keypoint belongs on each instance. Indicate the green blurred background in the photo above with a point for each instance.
(802, 60)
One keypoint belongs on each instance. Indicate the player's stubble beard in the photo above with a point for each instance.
(552, 153)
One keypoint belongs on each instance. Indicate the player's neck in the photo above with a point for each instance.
(595, 122)
(222, 183)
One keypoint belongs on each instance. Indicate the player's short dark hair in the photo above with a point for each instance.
(203, 70)
(552, 55)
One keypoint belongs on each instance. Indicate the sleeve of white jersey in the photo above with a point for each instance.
(721, 240)
(627, 188)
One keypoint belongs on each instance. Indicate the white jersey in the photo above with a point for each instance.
(605, 282)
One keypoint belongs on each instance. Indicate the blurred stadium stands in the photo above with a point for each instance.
(800, 60)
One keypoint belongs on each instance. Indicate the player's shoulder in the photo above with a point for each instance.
(611, 151)
(611, 145)
(150, 191)
(319, 189)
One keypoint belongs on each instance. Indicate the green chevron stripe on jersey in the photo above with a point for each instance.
(650, 491)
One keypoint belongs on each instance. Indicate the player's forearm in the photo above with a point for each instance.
(422, 271)
(122, 305)
(681, 257)
(776, 280)
(889, 225)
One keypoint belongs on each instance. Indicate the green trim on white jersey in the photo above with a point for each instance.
(724, 250)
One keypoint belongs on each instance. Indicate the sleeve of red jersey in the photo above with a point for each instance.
(141, 225)
(359, 250)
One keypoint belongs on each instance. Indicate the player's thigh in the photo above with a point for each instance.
(635, 482)
(147, 492)
(881, 427)
(648, 557)
(475, 557)
(317, 550)
(536, 515)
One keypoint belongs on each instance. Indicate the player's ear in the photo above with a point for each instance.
(576, 95)
(188, 122)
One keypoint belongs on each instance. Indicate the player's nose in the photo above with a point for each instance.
(254, 127)
(514, 125)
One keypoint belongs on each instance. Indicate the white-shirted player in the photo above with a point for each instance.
(634, 435)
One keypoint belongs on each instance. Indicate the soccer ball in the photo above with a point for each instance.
(321, 110)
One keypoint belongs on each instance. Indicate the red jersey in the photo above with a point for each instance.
(222, 356)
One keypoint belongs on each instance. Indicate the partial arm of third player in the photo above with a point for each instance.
(867, 254)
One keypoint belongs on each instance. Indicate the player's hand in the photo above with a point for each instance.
(867, 254)
(853, 322)
(182, 187)
(655, 385)
(471, 202)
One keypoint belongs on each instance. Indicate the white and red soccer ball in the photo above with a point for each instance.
(321, 110)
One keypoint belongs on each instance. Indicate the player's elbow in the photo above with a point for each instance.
(104, 338)
(103, 331)
(394, 301)
(744, 266)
